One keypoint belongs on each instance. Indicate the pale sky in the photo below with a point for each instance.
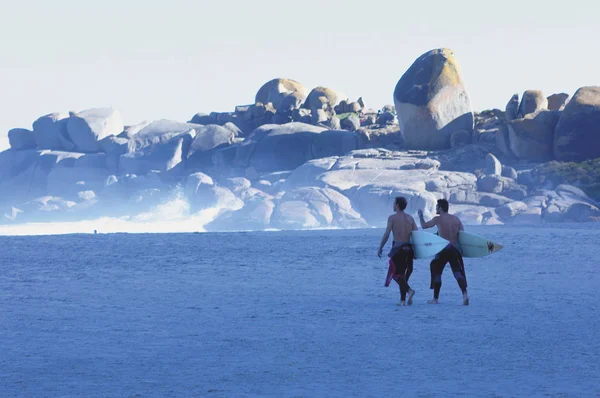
(171, 59)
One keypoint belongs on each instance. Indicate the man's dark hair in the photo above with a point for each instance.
(401, 202)
(444, 205)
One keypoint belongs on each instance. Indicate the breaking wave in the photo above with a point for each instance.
(172, 216)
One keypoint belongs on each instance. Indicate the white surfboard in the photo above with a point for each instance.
(426, 244)
(473, 245)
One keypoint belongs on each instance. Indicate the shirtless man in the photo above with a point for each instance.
(448, 227)
(402, 225)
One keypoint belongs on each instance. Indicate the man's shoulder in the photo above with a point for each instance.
(455, 217)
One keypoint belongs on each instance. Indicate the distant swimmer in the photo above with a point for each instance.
(401, 254)
(448, 228)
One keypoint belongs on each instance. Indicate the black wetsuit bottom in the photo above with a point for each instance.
(403, 260)
(451, 255)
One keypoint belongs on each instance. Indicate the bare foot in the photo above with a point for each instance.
(433, 301)
(411, 293)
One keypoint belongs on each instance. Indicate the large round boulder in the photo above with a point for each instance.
(90, 126)
(20, 139)
(578, 131)
(207, 140)
(533, 101)
(532, 137)
(321, 101)
(50, 131)
(432, 102)
(277, 90)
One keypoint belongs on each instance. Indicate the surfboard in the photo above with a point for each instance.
(473, 245)
(426, 244)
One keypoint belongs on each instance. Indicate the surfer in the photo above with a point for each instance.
(401, 255)
(448, 226)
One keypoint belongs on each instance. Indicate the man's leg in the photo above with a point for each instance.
(437, 267)
(399, 260)
(409, 270)
(458, 269)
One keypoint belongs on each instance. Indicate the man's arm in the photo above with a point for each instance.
(427, 224)
(414, 225)
(386, 236)
(460, 226)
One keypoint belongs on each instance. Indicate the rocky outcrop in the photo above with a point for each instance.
(578, 131)
(432, 102)
(532, 137)
(286, 147)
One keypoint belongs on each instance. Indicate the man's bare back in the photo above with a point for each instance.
(448, 226)
(402, 226)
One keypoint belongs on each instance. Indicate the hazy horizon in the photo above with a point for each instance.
(169, 61)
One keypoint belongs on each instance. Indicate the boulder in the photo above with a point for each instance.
(113, 147)
(582, 212)
(163, 156)
(350, 122)
(511, 209)
(492, 165)
(506, 186)
(469, 214)
(531, 138)
(207, 139)
(203, 119)
(509, 172)
(432, 102)
(255, 215)
(158, 132)
(88, 127)
(503, 141)
(333, 143)
(385, 118)
(313, 207)
(319, 97)
(307, 174)
(21, 139)
(577, 133)
(375, 202)
(237, 132)
(277, 147)
(512, 108)
(130, 131)
(557, 102)
(533, 101)
(277, 91)
(478, 198)
(50, 131)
